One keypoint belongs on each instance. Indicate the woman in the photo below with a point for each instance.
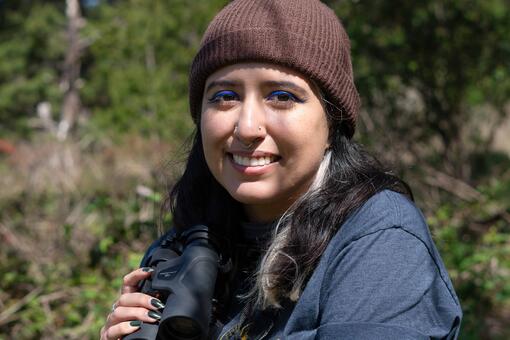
(325, 244)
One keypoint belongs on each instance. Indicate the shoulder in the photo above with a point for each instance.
(384, 264)
(390, 214)
(390, 232)
(381, 276)
(384, 210)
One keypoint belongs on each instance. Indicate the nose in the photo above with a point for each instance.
(250, 128)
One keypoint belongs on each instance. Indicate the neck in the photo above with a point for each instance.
(266, 213)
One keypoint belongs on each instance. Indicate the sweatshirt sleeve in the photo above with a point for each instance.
(386, 285)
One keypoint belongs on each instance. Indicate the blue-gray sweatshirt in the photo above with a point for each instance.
(381, 277)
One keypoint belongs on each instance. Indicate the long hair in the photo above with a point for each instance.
(347, 177)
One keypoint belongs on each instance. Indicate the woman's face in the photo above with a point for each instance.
(264, 133)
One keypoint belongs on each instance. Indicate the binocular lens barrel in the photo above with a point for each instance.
(186, 282)
(184, 327)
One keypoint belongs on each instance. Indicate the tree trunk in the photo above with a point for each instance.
(71, 106)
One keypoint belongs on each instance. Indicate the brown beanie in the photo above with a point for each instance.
(304, 35)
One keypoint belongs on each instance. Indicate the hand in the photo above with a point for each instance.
(131, 308)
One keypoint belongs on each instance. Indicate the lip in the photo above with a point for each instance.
(252, 170)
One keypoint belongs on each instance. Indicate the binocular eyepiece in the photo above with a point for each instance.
(184, 277)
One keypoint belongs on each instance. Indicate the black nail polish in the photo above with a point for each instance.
(147, 269)
(135, 323)
(154, 315)
(158, 304)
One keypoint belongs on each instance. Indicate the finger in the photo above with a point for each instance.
(139, 300)
(116, 331)
(130, 281)
(121, 314)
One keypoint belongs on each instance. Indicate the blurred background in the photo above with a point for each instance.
(94, 114)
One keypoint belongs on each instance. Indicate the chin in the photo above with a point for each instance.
(247, 195)
(251, 199)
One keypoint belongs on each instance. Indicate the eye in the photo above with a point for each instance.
(223, 96)
(283, 96)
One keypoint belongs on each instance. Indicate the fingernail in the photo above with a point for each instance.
(135, 323)
(154, 315)
(147, 269)
(158, 304)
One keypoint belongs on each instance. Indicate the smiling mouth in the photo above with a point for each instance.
(253, 161)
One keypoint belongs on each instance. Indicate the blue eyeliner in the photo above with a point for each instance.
(221, 94)
(291, 96)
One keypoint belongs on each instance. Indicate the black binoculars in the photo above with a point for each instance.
(184, 277)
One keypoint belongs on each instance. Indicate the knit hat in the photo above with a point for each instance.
(304, 35)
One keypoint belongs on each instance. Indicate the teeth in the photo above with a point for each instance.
(253, 161)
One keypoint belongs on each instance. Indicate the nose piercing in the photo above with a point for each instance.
(235, 129)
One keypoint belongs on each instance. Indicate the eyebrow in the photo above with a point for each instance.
(269, 83)
(286, 84)
(221, 83)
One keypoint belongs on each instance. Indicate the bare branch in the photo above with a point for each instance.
(451, 184)
(8, 314)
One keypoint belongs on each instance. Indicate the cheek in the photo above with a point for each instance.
(210, 130)
(215, 125)
(306, 135)
(208, 137)
(214, 136)
(318, 130)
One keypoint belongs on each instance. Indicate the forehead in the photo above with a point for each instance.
(252, 71)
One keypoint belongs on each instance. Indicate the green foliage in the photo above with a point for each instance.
(68, 240)
(453, 56)
(136, 70)
(474, 241)
(31, 53)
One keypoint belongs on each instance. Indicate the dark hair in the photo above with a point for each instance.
(349, 177)
(197, 198)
